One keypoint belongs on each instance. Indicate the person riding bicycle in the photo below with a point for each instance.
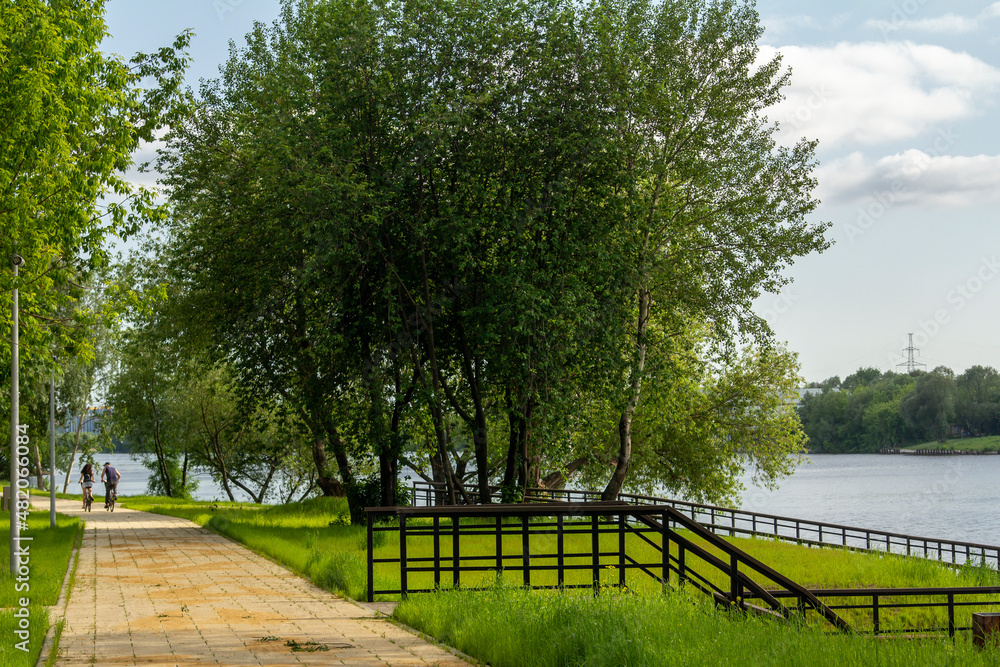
(87, 482)
(110, 476)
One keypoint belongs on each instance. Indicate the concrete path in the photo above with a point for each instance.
(157, 590)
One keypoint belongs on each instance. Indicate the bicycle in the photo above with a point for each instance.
(111, 501)
(88, 500)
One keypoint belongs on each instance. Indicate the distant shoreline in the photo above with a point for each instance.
(937, 452)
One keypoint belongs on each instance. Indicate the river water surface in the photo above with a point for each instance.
(953, 497)
(948, 497)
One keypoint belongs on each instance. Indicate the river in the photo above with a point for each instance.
(948, 497)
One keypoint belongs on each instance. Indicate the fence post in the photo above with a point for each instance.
(456, 559)
(734, 581)
(559, 549)
(371, 557)
(402, 556)
(665, 548)
(437, 552)
(525, 558)
(499, 544)
(951, 615)
(595, 551)
(681, 565)
(621, 550)
(875, 623)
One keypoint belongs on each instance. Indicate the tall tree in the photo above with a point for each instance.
(72, 117)
(711, 207)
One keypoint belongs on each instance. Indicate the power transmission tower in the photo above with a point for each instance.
(911, 362)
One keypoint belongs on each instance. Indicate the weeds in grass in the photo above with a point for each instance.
(306, 647)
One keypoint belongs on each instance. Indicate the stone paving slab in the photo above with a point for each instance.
(158, 590)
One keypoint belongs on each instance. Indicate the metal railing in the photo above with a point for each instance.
(628, 525)
(879, 600)
(615, 536)
(736, 522)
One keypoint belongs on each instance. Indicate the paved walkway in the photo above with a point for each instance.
(172, 593)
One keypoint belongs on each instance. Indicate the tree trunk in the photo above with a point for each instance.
(480, 442)
(160, 453)
(72, 456)
(614, 486)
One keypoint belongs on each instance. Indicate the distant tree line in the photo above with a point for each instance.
(870, 410)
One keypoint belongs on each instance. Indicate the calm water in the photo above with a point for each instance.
(953, 497)
(135, 476)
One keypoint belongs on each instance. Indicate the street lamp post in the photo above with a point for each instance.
(52, 450)
(15, 530)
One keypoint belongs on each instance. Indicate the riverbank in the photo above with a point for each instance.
(938, 452)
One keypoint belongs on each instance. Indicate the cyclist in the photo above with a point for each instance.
(87, 482)
(110, 476)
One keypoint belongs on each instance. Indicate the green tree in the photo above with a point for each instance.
(71, 118)
(712, 209)
(977, 404)
(930, 406)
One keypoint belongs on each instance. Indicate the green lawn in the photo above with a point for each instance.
(989, 443)
(515, 627)
(50, 550)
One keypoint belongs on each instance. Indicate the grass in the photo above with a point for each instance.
(313, 539)
(513, 627)
(38, 623)
(988, 443)
(50, 550)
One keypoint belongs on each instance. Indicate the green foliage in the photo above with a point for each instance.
(891, 410)
(72, 118)
(930, 407)
(443, 228)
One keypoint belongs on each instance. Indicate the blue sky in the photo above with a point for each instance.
(902, 97)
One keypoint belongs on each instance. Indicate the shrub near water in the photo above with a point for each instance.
(514, 627)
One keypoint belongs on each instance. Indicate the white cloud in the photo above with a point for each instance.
(913, 178)
(877, 92)
(991, 12)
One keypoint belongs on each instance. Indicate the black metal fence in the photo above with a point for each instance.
(633, 531)
(737, 522)
(444, 546)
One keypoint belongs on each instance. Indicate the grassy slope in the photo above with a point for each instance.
(985, 443)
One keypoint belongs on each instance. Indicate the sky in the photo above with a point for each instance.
(903, 98)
